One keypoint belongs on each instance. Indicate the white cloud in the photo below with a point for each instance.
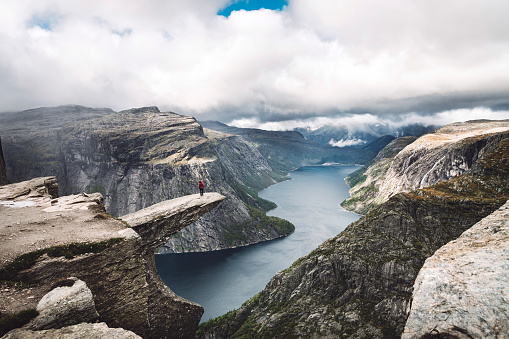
(312, 58)
(363, 122)
(346, 142)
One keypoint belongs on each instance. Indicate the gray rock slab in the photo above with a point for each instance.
(65, 306)
(83, 330)
(463, 289)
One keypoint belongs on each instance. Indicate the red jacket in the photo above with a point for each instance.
(201, 185)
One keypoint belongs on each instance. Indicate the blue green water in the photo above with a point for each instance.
(223, 280)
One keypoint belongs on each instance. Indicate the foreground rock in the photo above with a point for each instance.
(71, 302)
(407, 165)
(463, 289)
(85, 330)
(47, 239)
(359, 283)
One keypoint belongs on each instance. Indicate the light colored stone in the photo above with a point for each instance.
(64, 306)
(463, 289)
(83, 330)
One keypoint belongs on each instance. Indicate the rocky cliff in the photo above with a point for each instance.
(49, 243)
(359, 283)
(138, 157)
(439, 156)
(462, 290)
(3, 174)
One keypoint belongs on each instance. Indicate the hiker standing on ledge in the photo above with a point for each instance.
(201, 187)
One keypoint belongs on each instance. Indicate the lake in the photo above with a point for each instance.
(222, 281)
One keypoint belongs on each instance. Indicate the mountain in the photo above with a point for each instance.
(139, 157)
(360, 136)
(359, 283)
(405, 164)
(288, 150)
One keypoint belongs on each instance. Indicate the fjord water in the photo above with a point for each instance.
(222, 281)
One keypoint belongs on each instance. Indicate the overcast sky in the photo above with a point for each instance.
(393, 59)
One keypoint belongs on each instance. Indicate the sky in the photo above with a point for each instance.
(269, 64)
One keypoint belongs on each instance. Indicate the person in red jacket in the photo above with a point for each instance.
(201, 187)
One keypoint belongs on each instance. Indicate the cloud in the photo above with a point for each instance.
(364, 122)
(346, 142)
(313, 58)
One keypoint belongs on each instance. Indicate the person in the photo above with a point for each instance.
(201, 187)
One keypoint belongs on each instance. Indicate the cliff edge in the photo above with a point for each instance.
(47, 239)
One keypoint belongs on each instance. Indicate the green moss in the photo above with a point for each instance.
(69, 251)
(17, 320)
(235, 234)
(97, 188)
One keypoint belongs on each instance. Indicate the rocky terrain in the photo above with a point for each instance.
(139, 157)
(359, 284)
(65, 264)
(462, 290)
(439, 156)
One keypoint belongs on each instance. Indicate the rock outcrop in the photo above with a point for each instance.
(462, 290)
(71, 302)
(84, 330)
(439, 156)
(139, 157)
(46, 239)
(365, 182)
(3, 174)
(359, 283)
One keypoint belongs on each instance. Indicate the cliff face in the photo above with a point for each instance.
(359, 283)
(3, 175)
(46, 240)
(461, 291)
(139, 157)
(439, 156)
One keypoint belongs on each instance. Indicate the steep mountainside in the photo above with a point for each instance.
(139, 157)
(448, 152)
(286, 151)
(365, 182)
(359, 283)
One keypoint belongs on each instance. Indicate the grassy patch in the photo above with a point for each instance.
(69, 251)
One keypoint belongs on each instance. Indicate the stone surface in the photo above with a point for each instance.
(463, 289)
(65, 305)
(435, 157)
(84, 330)
(54, 238)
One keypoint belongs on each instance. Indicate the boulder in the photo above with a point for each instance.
(462, 291)
(70, 303)
(84, 330)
